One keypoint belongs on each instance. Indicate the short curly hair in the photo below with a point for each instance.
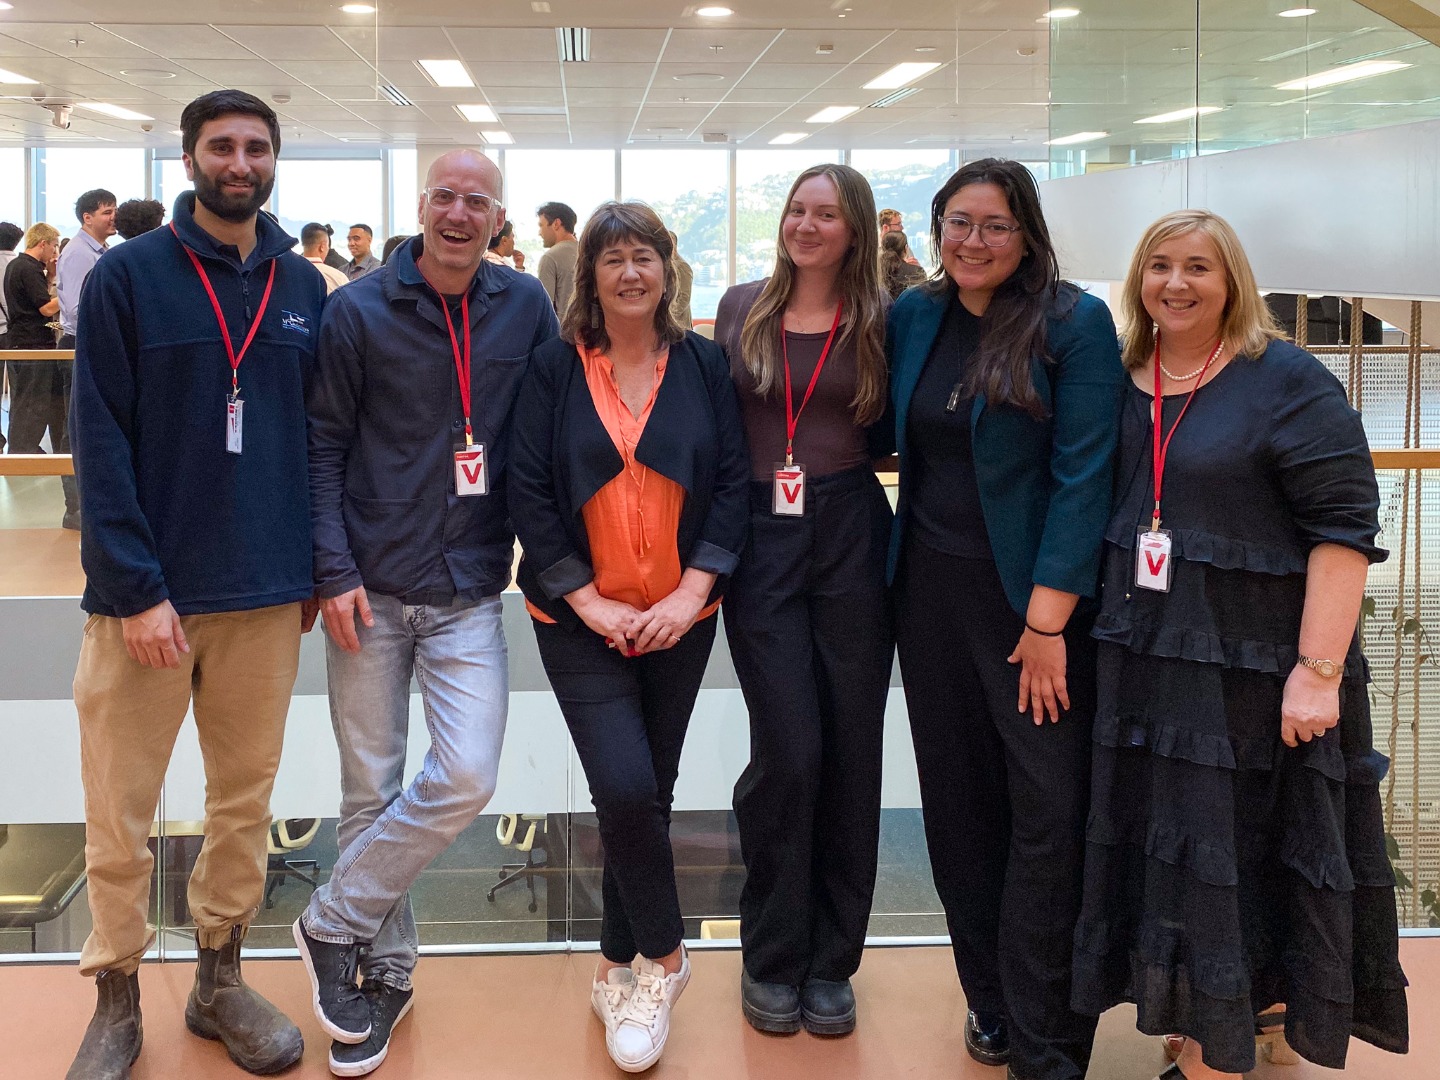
(135, 217)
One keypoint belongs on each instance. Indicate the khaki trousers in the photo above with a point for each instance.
(240, 671)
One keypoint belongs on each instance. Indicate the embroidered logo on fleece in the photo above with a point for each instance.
(299, 323)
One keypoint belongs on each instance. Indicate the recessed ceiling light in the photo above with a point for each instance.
(477, 114)
(11, 77)
(665, 129)
(1078, 137)
(925, 48)
(358, 9)
(714, 12)
(789, 137)
(177, 131)
(497, 137)
(1297, 13)
(148, 73)
(832, 113)
(699, 76)
(1180, 114)
(1343, 74)
(1062, 13)
(901, 74)
(446, 72)
(117, 111)
(5, 7)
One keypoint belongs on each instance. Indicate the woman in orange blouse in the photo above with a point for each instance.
(628, 490)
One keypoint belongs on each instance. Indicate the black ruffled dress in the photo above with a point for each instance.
(1225, 872)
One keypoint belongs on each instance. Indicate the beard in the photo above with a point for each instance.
(232, 208)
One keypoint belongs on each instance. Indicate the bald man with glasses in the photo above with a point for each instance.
(413, 547)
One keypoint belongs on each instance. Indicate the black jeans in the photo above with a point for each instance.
(1004, 802)
(69, 484)
(627, 716)
(807, 621)
(37, 405)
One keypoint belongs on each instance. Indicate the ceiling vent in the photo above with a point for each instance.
(890, 99)
(574, 43)
(715, 136)
(395, 96)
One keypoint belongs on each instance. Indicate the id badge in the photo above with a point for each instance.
(234, 424)
(788, 498)
(472, 471)
(1152, 560)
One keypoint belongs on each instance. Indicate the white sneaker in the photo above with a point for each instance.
(643, 1024)
(608, 998)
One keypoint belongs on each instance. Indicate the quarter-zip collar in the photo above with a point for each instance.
(271, 240)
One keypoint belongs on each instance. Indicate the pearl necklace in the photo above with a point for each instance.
(1219, 346)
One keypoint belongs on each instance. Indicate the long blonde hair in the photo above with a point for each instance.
(863, 303)
(1246, 324)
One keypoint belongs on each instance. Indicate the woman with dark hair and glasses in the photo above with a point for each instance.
(628, 493)
(806, 616)
(1006, 384)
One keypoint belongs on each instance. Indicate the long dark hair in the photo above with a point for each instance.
(1014, 324)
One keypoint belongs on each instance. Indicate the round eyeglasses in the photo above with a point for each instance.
(995, 234)
(477, 202)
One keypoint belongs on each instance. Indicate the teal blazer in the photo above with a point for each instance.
(1045, 484)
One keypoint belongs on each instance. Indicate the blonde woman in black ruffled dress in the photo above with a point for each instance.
(1236, 884)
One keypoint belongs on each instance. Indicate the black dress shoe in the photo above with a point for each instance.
(987, 1039)
(827, 1008)
(770, 1007)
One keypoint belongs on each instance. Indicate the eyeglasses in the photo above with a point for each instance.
(995, 234)
(442, 198)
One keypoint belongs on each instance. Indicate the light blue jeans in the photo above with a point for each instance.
(387, 836)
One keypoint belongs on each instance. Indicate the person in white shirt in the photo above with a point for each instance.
(316, 242)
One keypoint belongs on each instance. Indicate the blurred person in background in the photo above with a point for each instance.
(35, 393)
(135, 217)
(315, 239)
(898, 269)
(10, 237)
(362, 262)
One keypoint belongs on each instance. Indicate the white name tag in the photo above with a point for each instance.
(788, 499)
(472, 473)
(234, 424)
(1152, 560)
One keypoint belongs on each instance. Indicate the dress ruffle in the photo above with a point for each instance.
(1221, 552)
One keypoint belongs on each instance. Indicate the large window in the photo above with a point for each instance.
(582, 179)
(170, 181)
(338, 193)
(404, 195)
(12, 186)
(906, 180)
(689, 190)
(762, 180)
(68, 172)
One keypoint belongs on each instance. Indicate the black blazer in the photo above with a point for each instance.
(561, 455)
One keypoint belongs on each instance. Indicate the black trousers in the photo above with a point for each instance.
(807, 620)
(69, 484)
(38, 395)
(1004, 802)
(627, 717)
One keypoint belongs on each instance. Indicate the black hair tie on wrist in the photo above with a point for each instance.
(1043, 633)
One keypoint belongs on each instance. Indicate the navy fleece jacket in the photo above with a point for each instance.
(168, 512)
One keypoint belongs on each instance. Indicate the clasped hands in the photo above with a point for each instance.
(636, 632)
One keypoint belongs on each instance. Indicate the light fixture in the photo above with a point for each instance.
(832, 113)
(573, 43)
(788, 138)
(11, 77)
(926, 48)
(177, 131)
(477, 114)
(901, 74)
(116, 111)
(358, 9)
(1062, 13)
(446, 72)
(699, 76)
(1180, 114)
(714, 11)
(5, 7)
(1343, 74)
(148, 74)
(890, 99)
(1297, 13)
(1077, 138)
(497, 136)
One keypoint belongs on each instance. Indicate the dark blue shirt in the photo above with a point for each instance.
(169, 513)
(386, 418)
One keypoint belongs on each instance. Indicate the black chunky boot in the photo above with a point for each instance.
(112, 1041)
(258, 1036)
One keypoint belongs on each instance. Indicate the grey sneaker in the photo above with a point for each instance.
(342, 1010)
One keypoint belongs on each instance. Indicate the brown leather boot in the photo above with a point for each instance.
(112, 1041)
(258, 1036)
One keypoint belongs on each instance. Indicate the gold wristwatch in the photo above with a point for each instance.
(1327, 669)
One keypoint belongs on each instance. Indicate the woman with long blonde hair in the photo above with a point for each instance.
(806, 614)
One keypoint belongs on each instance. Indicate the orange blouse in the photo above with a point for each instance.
(631, 522)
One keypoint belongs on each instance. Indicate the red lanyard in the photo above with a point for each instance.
(1159, 448)
(462, 360)
(792, 415)
(235, 357)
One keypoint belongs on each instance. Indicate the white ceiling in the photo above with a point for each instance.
(1121, 60)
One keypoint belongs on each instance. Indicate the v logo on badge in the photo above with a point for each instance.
(791, 491)
(1155, 564)
(472, 472)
